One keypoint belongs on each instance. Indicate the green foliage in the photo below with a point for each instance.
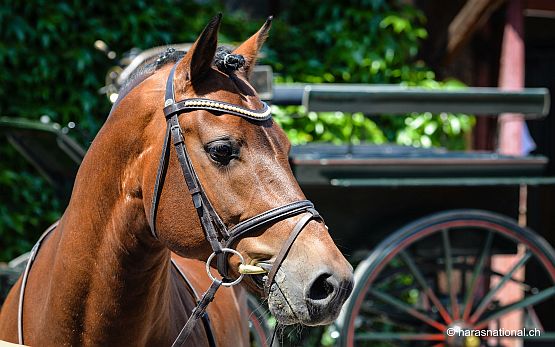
(28, 204)
(358, 41)
(46, 44)
(354, 41)
(335, 127)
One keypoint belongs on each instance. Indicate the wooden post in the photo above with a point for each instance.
(511, 129)
(511, 76)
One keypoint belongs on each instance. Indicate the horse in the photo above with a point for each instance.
(103, 276)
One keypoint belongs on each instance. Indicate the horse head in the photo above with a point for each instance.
(241, 170)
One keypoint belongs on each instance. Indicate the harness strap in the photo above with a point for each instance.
(32, 257)
(270, 216)
(201, 203)
(196, 314)
(172, 110)
(205, 318)
(159, 184)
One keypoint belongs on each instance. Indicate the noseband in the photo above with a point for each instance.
(221, 238)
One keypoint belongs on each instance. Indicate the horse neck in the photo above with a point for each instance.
(109, 258)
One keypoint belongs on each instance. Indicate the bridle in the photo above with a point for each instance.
(221, 238)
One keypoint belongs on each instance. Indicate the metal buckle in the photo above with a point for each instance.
(211, 257)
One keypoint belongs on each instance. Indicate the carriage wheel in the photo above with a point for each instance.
(435, 277)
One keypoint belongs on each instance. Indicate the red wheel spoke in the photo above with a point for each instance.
(406, 308)
(489, 297)
(475, 274)
(427, 290)
(449, 271)
(529, 301)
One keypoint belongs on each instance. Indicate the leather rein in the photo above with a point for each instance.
(220, 238)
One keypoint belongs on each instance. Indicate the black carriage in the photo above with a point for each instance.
(439, 238)
(430, 231)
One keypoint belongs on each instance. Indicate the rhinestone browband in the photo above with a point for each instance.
(172, 108)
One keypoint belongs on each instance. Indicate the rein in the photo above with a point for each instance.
(221, 238)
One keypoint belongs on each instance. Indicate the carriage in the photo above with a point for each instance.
(439, 239)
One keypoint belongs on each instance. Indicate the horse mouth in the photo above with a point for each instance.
(294, 299)
(260, 279)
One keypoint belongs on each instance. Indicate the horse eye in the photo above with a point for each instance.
(221, 151)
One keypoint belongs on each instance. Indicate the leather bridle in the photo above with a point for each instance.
(220, 238)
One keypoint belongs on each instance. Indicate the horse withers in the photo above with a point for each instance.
(104, 277)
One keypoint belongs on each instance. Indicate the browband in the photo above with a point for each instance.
(171, 108)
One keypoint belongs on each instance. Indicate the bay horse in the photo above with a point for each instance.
(103, 276)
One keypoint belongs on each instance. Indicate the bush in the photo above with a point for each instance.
(359, 41)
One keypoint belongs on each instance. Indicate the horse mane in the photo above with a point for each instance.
(147, 69)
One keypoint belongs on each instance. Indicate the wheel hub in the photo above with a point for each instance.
(458, 334)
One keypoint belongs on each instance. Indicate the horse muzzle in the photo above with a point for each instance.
(313, 300)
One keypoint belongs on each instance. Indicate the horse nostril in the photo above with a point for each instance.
(323, 287)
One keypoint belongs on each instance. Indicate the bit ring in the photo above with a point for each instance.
(211, 257)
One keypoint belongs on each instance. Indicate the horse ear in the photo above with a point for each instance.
(250, 48)
(198, 59)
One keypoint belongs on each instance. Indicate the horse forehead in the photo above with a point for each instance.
(233, 89)
(266, 135)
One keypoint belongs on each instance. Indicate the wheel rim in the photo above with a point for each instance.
(464, 305)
